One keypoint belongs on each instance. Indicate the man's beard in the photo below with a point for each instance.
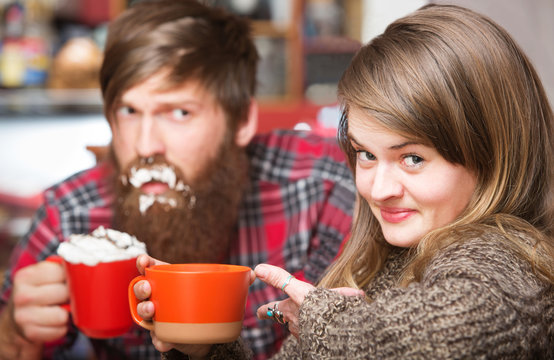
(198, 220)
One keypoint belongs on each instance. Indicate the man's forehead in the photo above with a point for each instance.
(162, 87)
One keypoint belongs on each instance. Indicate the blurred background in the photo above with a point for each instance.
(51, 118)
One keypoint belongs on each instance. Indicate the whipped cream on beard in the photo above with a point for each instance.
(102, 245)
(203, 221)
(161, 173)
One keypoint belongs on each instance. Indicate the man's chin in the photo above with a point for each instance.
(175, 228)
(169, 232)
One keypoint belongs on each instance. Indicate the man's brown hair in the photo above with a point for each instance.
(189, 41)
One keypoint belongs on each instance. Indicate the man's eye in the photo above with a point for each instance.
(125, 110)
(178, 114)
(363, 155)
(413, 160)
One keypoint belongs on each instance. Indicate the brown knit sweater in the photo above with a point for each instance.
(477, 300)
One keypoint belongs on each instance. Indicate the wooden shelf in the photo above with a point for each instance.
(291, 33)
(330, 45)
(270, 29)
(49, 101)
(292, 49)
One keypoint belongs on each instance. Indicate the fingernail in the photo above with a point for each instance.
(260, 271)
(146, 307)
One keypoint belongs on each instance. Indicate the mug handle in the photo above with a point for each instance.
(133, 302)
(59, 260)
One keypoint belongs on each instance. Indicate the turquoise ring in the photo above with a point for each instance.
(286, 283)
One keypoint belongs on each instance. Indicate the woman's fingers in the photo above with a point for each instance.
(287, 307)
(281, 279)
(288, 313)
(284, 312)
(252, 277)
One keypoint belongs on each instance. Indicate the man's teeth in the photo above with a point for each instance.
(163, 174)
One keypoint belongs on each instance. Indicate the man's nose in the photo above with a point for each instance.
(386, 183)
(149, 138)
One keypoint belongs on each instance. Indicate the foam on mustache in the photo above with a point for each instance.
(102, 245)
(156, 169)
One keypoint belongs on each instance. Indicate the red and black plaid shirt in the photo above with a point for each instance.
(296, 214)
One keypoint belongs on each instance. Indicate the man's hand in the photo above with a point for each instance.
(33, 315)
(142, 289)
(146, 310)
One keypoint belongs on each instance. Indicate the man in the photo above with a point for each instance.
(187, 175)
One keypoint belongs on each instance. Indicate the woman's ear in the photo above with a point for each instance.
(247, 130)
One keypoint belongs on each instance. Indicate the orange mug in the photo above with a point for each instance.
(195, 303)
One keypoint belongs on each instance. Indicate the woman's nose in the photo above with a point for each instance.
(386, 183)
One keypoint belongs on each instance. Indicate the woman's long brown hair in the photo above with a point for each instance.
(455, 80)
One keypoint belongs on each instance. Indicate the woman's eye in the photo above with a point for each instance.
(413, 160)
(363, 155)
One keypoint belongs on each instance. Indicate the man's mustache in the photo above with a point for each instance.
(142, 171)
(154, 169)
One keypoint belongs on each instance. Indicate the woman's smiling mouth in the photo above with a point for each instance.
(395, 215)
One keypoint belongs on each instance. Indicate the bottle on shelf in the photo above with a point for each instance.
(25, 50)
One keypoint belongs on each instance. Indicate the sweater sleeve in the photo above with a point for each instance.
(474, 301)
(288, 350)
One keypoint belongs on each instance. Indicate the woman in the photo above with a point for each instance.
(450, 136)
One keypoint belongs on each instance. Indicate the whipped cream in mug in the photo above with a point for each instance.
(102, 245)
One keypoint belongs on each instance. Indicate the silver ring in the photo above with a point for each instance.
(276, 314)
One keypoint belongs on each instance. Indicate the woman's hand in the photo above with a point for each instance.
(295, 289)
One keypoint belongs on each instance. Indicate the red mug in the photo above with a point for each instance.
(98, 299)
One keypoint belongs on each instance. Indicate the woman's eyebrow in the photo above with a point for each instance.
(392, 147)
(404, 144)
(352, 138)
